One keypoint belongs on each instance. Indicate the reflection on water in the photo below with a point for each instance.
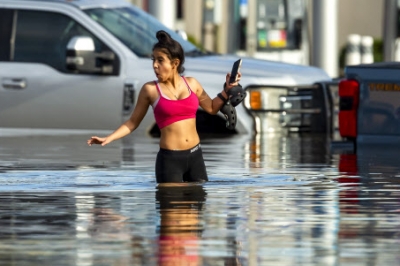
(180, 228)
(369, 200)
(271, 200)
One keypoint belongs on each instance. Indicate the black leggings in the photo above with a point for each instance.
(181, 166)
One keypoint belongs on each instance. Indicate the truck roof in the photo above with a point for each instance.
(85, 4)
(386, 65)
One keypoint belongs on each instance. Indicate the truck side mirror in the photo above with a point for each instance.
(82, 57)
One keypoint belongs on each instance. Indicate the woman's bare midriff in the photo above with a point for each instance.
(181, 135)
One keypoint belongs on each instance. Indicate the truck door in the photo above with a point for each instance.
(37, 90)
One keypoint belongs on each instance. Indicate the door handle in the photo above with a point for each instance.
(14, 83)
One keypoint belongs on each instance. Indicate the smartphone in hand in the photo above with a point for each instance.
(235, 69)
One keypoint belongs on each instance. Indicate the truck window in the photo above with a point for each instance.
(42, 37)
(135, 28)
(6, 16)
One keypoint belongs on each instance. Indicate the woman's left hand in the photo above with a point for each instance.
(228, 85)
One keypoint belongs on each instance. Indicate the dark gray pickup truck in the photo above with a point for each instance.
(369, 104)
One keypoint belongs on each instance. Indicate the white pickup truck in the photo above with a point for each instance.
(78, 65)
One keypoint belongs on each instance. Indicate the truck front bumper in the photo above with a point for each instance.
(291, 108)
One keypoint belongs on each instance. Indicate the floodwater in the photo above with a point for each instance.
(271, 200)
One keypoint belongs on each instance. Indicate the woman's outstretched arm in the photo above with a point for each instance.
(131, 124)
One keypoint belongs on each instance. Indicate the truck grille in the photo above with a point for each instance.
(293, 109)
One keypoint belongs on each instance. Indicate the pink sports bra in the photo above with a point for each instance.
(167, 111)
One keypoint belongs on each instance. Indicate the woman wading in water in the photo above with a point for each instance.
(175, 100)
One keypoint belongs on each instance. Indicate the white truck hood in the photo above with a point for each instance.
(211, 70)
(256, 71)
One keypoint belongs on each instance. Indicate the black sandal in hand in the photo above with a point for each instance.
(229, 112)
(235, 96)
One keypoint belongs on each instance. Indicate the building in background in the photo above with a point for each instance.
(276, 30)
(279, 30)
(222, 25)
(188, 17)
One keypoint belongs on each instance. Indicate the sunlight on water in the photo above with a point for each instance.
(271, 200)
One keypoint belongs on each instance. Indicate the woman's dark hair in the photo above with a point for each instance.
(171, 48)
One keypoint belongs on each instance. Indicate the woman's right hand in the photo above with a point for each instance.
(228, 85)
(98, 140)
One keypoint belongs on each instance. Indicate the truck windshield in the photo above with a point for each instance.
(136, 29)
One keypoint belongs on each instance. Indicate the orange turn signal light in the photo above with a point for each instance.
(255, 100)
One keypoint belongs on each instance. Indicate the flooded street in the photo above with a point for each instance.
(271, 200)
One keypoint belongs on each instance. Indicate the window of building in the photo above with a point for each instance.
(179, 11)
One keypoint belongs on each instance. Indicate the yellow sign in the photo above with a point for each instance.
(383, 87)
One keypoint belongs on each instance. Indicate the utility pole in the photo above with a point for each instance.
(389, 29)
(324, 36)
(251, 27)
(164, 11)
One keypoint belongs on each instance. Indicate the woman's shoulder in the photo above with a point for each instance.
(192, 82)
(149, 89)
(189, 79)
(149, 86)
